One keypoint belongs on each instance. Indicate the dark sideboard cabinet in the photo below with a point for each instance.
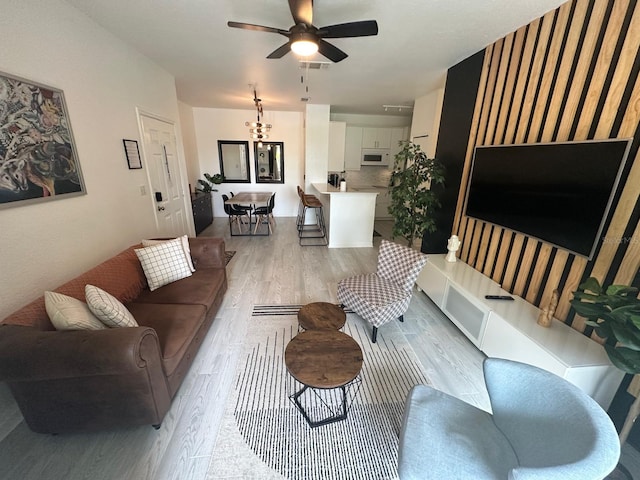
(202, 211)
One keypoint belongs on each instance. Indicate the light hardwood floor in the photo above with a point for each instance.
(265, 270)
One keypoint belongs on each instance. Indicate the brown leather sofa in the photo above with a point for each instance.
(88, 380)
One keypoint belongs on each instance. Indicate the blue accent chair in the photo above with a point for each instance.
(542, 428)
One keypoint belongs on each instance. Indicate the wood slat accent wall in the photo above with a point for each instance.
(570, 75)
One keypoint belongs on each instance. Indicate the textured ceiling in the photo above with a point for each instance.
(214, 64)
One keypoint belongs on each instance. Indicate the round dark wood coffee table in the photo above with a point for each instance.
(323, 359)
(321, 315)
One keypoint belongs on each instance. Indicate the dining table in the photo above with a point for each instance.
(251, 199)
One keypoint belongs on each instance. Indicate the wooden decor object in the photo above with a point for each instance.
(546, 314)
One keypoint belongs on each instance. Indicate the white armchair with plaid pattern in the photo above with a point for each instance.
(385, 295)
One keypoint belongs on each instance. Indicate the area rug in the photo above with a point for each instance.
(263, 435)
(228, 255)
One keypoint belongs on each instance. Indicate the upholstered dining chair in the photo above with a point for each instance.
(542, 428)
(385, 295)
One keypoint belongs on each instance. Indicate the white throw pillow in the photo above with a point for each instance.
(163, 263)
(108, 308)
(68, 313)
(185, 246)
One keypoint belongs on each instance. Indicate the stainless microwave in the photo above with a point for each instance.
(375, 156)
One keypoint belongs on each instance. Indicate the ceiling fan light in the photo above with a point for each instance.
(304, 45)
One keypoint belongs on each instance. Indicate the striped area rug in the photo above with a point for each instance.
(263, 435)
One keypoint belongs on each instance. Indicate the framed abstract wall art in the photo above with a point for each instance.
(38, 157)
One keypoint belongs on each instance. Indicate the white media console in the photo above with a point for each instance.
(508, 328)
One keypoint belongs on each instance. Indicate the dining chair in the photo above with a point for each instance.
(265, 212)
(247, 208)
(235, 215)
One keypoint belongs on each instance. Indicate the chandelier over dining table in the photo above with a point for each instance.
(258, 130)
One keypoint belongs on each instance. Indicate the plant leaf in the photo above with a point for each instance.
(591, 284)
(621, 290)
(589, 310)
(627, 337)
(625, 359)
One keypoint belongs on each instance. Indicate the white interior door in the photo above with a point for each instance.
(164, 175)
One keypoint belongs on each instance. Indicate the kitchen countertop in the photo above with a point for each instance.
(328, 189)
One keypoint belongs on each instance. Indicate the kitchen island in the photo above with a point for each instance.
(348, 215)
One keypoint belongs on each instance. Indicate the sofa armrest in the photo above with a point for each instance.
(207, 252)
(27, 354)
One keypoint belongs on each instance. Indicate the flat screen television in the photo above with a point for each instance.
(560, 193)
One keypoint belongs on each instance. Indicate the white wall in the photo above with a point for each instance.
(426, 121)
(103, 80)
(316, 144)
(190, 144)
(213, 124)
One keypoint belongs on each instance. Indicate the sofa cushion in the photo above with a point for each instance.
(163, 263)
(185, 247)
(175, 325)
(200, 288)
(108, 309)
(68, 313)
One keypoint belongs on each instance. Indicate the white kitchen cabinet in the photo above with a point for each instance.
(376, 137)
(337, 140)
(508, 329)
(397, 135)
(353, 148)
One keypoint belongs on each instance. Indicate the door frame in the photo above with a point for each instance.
(184, 184)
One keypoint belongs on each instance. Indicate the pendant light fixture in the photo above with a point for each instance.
(258, 130)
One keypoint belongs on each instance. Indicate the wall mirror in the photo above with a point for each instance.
(234, 161)
(269, 162)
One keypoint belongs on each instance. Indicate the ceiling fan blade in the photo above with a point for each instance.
(302, 11)
(280, 51)
(258, 28)
(331, 52)
(363, 28)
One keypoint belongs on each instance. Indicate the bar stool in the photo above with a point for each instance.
(300, 218)
(317, 230)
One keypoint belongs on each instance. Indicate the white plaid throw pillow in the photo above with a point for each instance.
(163, 263)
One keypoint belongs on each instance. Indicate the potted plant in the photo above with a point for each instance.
(614, 312)
(412, 200)
(208, 183)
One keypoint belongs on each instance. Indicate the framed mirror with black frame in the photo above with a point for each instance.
(234, 161)
(269, 159)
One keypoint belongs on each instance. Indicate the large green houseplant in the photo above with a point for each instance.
(614, 312)
(412, 200)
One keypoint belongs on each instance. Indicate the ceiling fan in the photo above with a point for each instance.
(306, 39)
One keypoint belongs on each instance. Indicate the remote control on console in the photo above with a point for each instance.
(498, 297)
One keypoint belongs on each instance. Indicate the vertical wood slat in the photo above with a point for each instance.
(533, 30)
(548, 72)
(580, 77)
(603, 63)
(557, 51)
(565, 81)
(502, 257)
(538, 273)
(498, 93)
(534, 76)
(512, 262)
